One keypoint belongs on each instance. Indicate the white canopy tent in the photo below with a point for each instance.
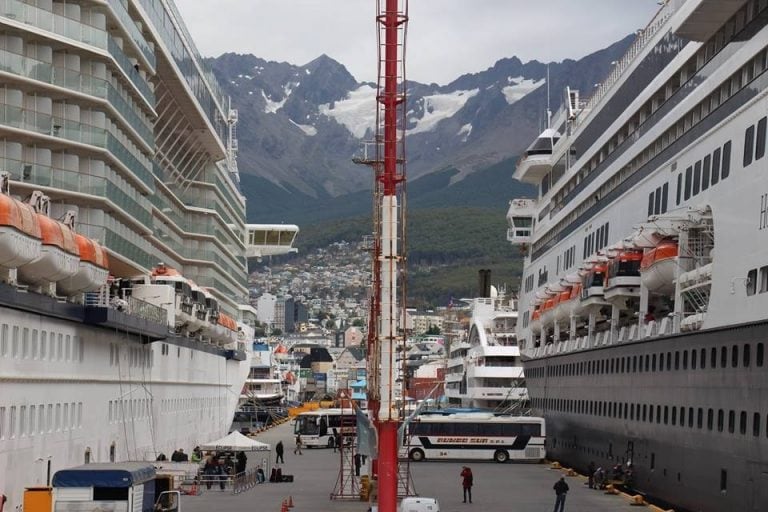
(236, 442)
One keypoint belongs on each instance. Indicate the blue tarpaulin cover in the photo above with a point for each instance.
(123, 474)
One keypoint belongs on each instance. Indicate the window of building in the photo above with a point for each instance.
(710, 419)
(720, 420)
(759, 355)
(723, 480)
(705, 172)
(696, 178)
(688, 182)
(735, 356)
(760, 141)
(743, 422)
(725, 169)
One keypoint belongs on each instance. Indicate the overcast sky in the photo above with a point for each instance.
(446, 38)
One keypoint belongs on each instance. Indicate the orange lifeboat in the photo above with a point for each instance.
(574, 300)
(93, 268)
(20, 236)
(657, 268)
(564, 306)
(536, 319)
(59, 255)
(181, 294)
(548, 310)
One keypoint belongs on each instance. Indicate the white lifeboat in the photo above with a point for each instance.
(20, 237)
(59, 255)
(92, 270)
(212, 318)
(165, 275)
(574, 302)
(658, 267)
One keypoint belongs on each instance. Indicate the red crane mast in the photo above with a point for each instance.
(385, 384)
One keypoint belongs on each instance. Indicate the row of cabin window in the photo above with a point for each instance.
(568, 259)
(139, 357)
(694, 359)
(657, 200)
(25, 343)
(703, 55)
(754, 149)
(596, 240)
(529, 283)
(31, 420)
(708, 171)
(728, 88)
(666, 414)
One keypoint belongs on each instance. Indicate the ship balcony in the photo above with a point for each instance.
(705, 17)
(520, 218)
(533, 167)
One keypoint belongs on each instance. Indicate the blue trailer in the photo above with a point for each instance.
(112, 487)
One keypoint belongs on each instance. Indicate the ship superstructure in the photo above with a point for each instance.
(123, 240)
(485, 370)
(643, 295)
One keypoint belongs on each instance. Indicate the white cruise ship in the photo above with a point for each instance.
(123, 240)
(485, 370)
(645, 285)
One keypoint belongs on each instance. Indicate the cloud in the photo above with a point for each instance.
(446, 38)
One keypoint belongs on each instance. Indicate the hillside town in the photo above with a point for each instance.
(313, 310)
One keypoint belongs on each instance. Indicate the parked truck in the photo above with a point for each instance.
(112, 487)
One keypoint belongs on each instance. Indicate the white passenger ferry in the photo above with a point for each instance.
(646, 274)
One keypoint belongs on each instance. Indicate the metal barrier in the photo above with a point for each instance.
(246, 480)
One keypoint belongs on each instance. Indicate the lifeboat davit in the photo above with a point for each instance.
(658, 266)
(623, 276)
(92, 270)
(59, 255)
(592, 292)
(20, 236)
(199, 308)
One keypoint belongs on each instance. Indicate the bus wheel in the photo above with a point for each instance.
(331, 442)
(501, 456)
(417, 455)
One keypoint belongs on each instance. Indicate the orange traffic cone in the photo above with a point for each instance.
(290, 501)
(284, 507)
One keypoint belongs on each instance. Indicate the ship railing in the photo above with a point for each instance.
(643, 38)
(128, 304)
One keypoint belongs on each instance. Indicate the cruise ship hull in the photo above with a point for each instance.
(678, 450)
(78, 393)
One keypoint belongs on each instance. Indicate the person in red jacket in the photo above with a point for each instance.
(466, 483)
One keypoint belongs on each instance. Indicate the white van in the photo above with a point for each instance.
(419, 504)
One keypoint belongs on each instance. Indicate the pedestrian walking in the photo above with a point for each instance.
(561, 489)
(358, 462)
(591, 474)
(279, 451)
(298, 445)
(466, 483)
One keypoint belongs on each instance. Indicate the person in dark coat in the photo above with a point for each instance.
(358, 463)
(561, 489)
(591, 474)
(467, 482)
(279, 451)
(242, 461)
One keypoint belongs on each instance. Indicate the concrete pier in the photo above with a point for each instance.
(497, 487)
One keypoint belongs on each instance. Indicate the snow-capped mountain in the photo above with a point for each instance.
(300, 126)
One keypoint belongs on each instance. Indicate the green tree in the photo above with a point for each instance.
(358, 322)
(433, 330)
(330, 324)
(277, 332)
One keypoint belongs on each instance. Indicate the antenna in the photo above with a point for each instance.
(549, 112)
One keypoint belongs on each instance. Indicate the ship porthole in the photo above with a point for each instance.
(87, 458)
(112, 452)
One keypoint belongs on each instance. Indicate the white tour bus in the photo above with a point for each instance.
(316, 427)
(475, 435)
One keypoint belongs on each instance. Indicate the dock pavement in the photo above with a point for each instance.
(497, 487)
